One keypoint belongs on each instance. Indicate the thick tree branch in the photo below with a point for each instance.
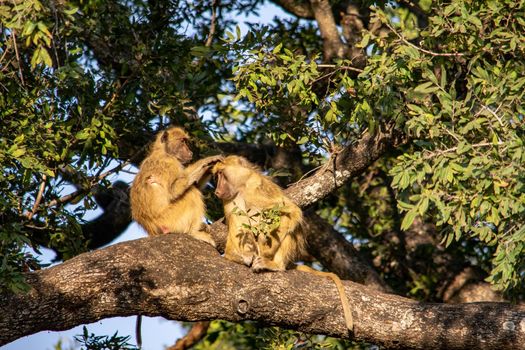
(344, 165)
(179, 278)
(349, 162)
(333, 46)
(115, 219)
(194, 335)
(297, 8)
(468, 286)
(336, 253)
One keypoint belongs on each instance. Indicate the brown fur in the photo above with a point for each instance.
(243, 188)
(164, 194)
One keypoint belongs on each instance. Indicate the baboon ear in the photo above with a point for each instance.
(164, 137)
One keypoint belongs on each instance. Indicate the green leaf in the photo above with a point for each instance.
(329, 117)
(41, 55)
(443, 76)
(18, 152)
(200, 51)
(44, 55)
(303, 140)
(408, 219)
(29, 27)
(463, 147)
(238, 32)
(423, 206)
(426, 88)
(71, 11)
(449, 239)
(43, 28)
(404, 205)
(365, 40)
(231, 36)
(404, 181)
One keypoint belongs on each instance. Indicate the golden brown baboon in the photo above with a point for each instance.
(264, 226)
(164, 196)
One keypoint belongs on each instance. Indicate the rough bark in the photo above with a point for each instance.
(335, 252)
(179, 278)
(333, 46)
(468, 286)
(297, 8)
(347, 163)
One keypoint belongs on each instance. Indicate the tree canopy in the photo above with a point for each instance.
(398, 127)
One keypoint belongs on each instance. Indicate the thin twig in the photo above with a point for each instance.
(128, 172)
(114, 96)
(494, 113)
(115, 169)
(325, 76)
(6, 49)
(307, 173)
(451, 134)
(18, 58)
(55, 30)
(66, 198)
(453, 149)
(196, 334)
(6, 66)
(340, 67)
(122, 165)
(456, 54)
(212, 24)
(38, 197)
(93, 181)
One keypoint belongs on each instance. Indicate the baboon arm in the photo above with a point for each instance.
(197, 170)
(179, 186)
(191, 176)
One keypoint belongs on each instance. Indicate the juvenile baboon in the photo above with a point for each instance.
(264, 226)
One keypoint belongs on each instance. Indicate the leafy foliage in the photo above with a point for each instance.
(249, 335)
(96, 342)
(263, 222)
(466, 120)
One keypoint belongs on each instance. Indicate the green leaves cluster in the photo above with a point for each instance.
(262, 223)
(465, 170)
(30, 20)
(224, 335)
(454, 88)
(83, 86)
(285, 91)
(91, 341)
